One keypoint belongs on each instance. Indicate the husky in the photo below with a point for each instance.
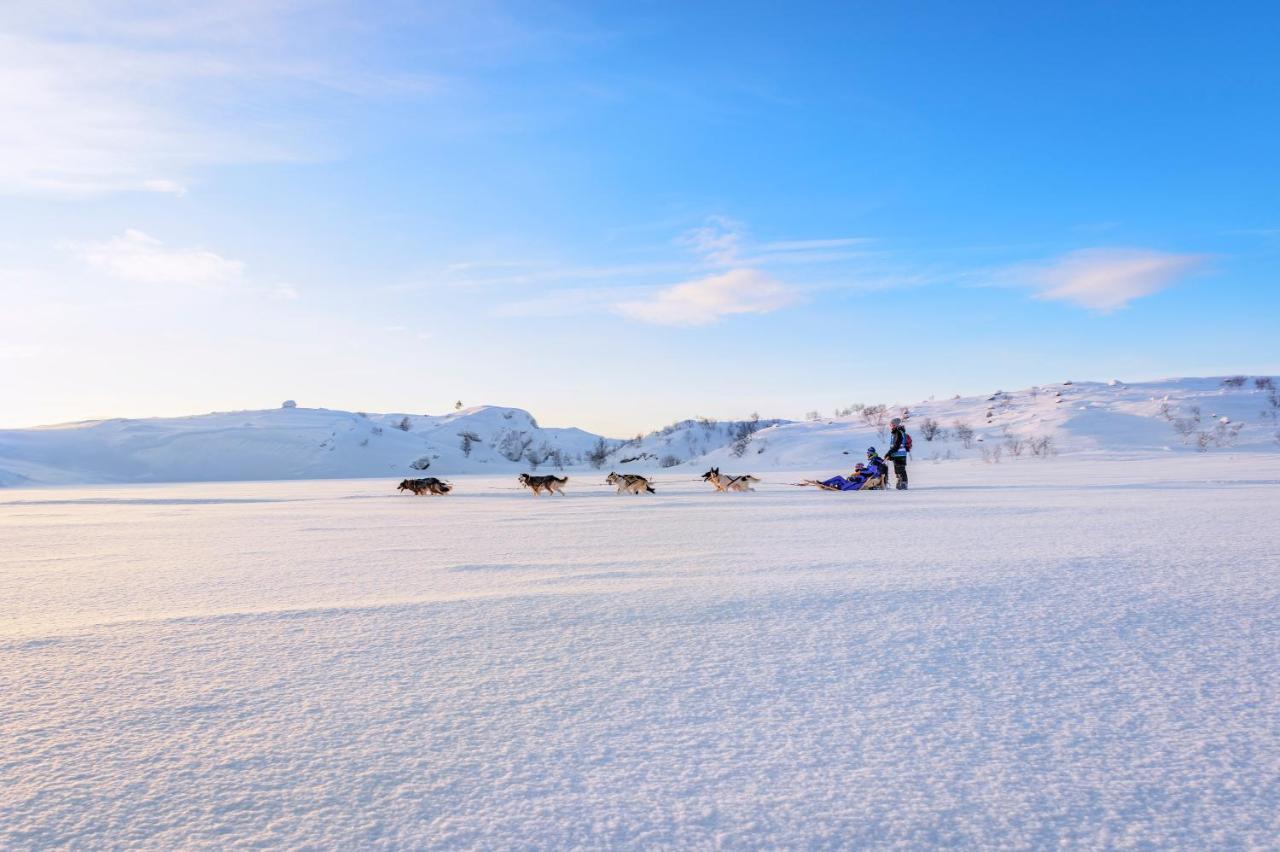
(725, 482)
(630, 483)
(429, 485)
(552, 484)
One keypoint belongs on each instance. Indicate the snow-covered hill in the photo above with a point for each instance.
(1113, 418)
(1175, 415)
(286, 443)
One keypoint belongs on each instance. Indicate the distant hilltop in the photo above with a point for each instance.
(1231, 413)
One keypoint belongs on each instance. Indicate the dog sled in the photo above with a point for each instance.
(856, 482)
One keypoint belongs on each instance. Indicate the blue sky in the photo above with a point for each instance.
(616, 215)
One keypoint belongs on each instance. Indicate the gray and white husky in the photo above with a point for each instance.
(630, 483)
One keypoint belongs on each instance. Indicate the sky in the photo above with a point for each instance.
(617, 215)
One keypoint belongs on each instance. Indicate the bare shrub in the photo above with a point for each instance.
(1234, 381)
(1015, 445)
(964, 432)
(1042, 446)
(991, 455)
(405, 425)
(1272, 411)
(1226, 433)
(599, 453)
(812, 415)
(421, 464)
(670, 461)
(929, 428)
(1264, 383)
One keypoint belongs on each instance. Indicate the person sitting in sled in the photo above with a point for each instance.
(862, 478)
(881, 466)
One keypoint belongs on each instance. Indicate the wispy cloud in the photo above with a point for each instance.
(707, 300)
(138, 258)
(122, 96)
(1106, 279)
(718, 242)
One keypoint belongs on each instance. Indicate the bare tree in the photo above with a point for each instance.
(965, 433)
(1264, 383)
(468, 440)
(812, 415)
(877, 417)
(743, 433)
(599, 453)
(1234, 381)
(929, 428)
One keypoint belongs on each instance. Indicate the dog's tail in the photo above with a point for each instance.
(649, 488)
(560, 479)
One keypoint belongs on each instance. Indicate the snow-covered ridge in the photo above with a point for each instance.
(1174, 415)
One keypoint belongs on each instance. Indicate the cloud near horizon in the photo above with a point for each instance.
(1106, 280)
(707, 300)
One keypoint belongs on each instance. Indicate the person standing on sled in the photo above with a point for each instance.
(899, 446)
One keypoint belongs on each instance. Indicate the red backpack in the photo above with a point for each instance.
(906, 441)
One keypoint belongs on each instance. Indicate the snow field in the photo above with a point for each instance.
(1062, 653)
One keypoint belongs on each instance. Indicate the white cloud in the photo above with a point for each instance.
(706, 300)
(718, 242)
(1108, 279)
(138, 258)
(123, 96)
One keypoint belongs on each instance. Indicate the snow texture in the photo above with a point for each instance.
(1113, 418)
(1071, 653)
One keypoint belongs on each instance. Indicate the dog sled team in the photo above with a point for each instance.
(871, 476)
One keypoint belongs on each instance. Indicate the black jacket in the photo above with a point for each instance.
(896, 448)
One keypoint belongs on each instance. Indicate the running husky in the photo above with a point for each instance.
(630, 483)
(725, 482)
(552, 484)
(429, 485)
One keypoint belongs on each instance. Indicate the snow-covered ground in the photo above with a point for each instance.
(1073, 652)
(1069, 418)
